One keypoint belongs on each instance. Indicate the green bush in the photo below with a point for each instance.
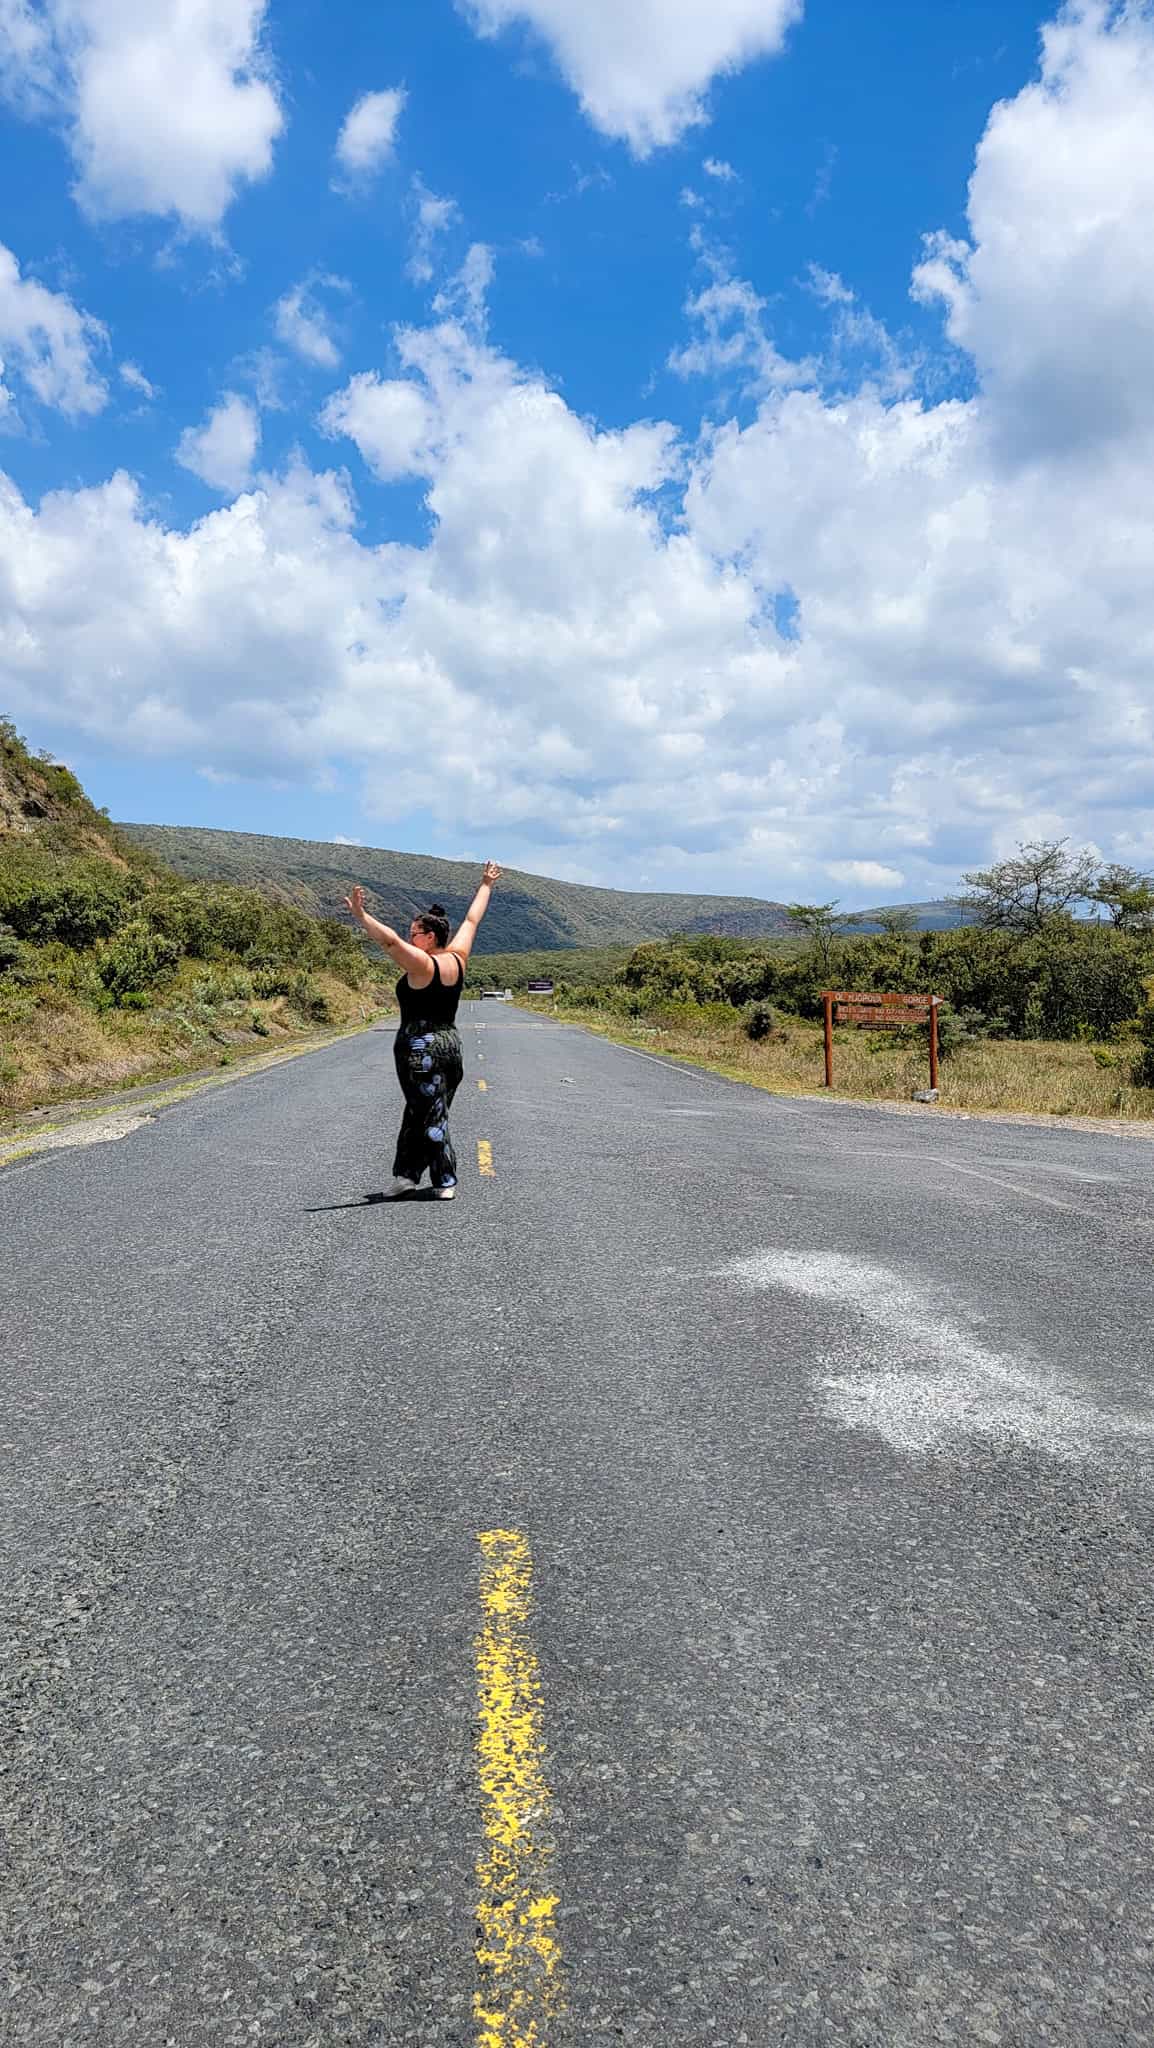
(134, 960)
(760, 1020)
(309, 1001)
(268, 982)
(76, 902)
(958, 1029)
(11, 951)
(216, 989)
(1142, 1071)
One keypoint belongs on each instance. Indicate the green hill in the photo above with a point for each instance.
(113, 969)
(528, 911)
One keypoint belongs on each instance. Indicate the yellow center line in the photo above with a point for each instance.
(482, 1085)
(518, 1956)
(485, 1158)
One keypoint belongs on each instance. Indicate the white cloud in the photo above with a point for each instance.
(222, 451)
(641, 68)
(169, 104)
(434, 216)
(302, 322)
(732, 339)
(368, 133)
(716, 167)
(465, 294)
(342, 839)
(843, 633)
(827, 286)
(391, 421)
(132, 375)
(865, 874)
(48, 344)
(1054, 294)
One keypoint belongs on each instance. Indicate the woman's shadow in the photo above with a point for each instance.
(371, 1201)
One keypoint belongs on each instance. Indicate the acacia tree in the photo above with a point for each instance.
(820, 923)
(899, 922)
(1127, 896)
(1038, 884)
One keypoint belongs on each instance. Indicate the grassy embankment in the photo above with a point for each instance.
(114, 972)
(61, 1051)
(1039, 1077)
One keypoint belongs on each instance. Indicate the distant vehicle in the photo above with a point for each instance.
(496, 995)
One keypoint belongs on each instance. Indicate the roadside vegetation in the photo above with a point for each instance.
(114, 971)
(1044, 1011)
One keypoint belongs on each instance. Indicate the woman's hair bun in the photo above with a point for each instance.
(437, 910)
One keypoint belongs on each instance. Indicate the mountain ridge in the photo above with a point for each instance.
(528, 912)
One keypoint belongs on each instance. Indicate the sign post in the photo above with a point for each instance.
(888, 1012)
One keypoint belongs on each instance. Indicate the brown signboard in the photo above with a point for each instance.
(887, 1000)
(891, 1018)
(887, 1010)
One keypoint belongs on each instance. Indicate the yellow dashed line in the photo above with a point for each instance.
(485, 1157)
(518, 1956)
(482, 1085)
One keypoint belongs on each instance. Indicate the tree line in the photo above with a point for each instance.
(1023, 965)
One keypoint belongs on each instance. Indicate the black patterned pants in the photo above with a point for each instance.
(429, 1068)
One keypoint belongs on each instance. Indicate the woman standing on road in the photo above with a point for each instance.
(428, 1049)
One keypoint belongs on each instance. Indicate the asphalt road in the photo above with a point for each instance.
(830, 1435)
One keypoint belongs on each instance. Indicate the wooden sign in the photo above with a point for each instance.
(885, 1011)
(888, 999)
(889, 1019)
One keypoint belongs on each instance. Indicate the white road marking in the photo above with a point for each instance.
(703, 1074)
(940, 1159)
(908, 1373)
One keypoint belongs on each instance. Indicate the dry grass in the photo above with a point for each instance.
(1038, 1077)
(63, 1051)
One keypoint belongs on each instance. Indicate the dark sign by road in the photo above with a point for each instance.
(888, 1011)
(539, 988)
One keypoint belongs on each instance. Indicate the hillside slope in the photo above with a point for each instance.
(528, 911)
(115, 970)
(42, 805)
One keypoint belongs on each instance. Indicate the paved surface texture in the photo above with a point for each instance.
(831, 1437)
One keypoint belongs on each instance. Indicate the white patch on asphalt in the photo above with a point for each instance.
(97, 1130)
(899, 1368)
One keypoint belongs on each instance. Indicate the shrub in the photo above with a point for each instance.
(308, 1000)
(217, 988)
(272, 981)
(958, 1028)
(760, 1020)
(134, 960)
(77, 902)
(11, 951)
(1142, 1072)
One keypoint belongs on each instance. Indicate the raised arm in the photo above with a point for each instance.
(462, 939)
(415, 963)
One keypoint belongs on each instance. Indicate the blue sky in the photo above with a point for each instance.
(667, 510)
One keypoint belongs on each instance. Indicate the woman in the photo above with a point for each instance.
(428, 1049)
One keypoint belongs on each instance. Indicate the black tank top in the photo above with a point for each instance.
(435, 1007)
